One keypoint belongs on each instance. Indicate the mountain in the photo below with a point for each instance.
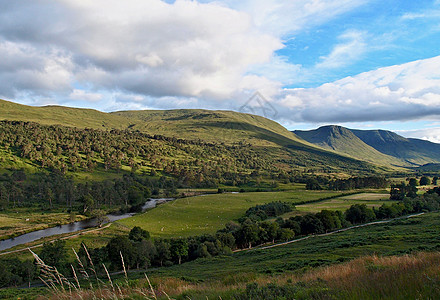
(377, 146)
(269, 140)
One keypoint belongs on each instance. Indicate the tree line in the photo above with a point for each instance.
(52, 190)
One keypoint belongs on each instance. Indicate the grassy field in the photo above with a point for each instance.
(343, 203)
(209, 213)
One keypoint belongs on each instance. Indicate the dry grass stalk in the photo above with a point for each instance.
(123, 267)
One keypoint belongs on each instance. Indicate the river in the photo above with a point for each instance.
(72, 227)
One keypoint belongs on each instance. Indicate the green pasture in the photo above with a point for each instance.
(343, 203)
(209, 213)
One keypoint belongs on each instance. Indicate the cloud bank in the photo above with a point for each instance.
(134, 54)
(402, 92)
(143, 47)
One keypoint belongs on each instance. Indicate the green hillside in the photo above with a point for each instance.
(269, 142)
(60, 115)
(342, 140)
(376, 146)
(226, 126)
(414, 151)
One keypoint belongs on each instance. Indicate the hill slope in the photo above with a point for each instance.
(378, 146)
(276, 144)
(61, 115)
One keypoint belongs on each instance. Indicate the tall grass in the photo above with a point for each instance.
(86, 284)
(415, 276)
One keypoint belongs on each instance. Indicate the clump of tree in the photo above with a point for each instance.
(264, 211)
(400, 191)
(374, 182)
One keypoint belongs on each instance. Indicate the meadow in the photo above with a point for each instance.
(209, 213)
(343, 203)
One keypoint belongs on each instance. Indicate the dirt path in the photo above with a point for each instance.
(329, 233)
(63, 238)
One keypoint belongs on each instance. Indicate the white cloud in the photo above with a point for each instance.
(402, 92)
(282, 18)
(25, 69)
(430, 134)
(82, 95)
(351, 48)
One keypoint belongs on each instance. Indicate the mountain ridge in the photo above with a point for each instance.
(374, 145)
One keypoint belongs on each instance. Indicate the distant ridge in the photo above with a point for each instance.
(377, 146)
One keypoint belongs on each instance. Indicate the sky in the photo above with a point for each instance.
(363, 64)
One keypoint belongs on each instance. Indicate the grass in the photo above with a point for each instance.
(369, 277)
(209, 213)
(343, 203)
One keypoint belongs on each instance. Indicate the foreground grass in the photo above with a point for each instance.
(370, 277)
(209, 213)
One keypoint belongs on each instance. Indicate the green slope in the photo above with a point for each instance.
(225, 126)
(414, 151)
(60, 115)
(377, 146)
(342, 140)
(267, 137)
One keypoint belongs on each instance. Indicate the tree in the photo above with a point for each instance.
(54, 254)
(434, 180)
(286, 234)
(329, 219)
(163, 251)
(359, 213)
(425, 181)
(413, 182)
(248, 232)
(179, 249)
(311, 224)
(100, 217)
(145, 253)
(135, 196)
(117, 246)
(88, 203)
(313, 184)
(138, 234)
(272, 230)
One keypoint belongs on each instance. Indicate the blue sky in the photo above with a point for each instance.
(358, 63)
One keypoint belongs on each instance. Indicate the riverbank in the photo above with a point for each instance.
(14, 224)
(37, 234)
